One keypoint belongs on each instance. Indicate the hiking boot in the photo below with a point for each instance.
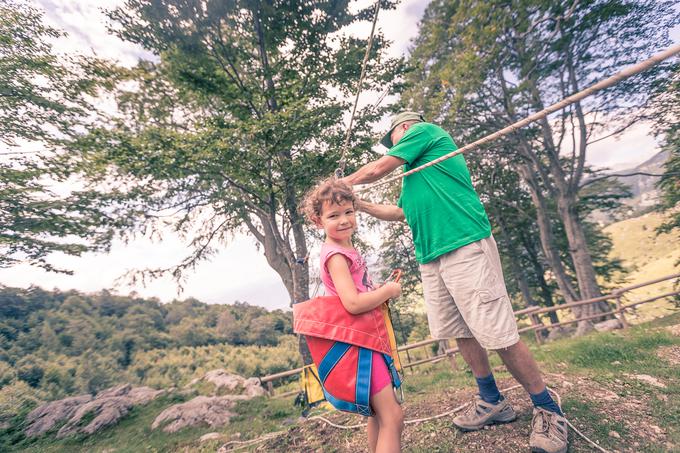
(549, 432)
(481, 413)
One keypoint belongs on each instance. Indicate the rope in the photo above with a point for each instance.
(248, 443)
(616, 78)
(340, 172)
(559, 403)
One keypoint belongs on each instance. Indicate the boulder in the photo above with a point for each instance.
(213, 411)
(225, 382)
(651, 380)
(558, 332)
(43, 418)
(106, 408)
(608, 325)
(210, 436)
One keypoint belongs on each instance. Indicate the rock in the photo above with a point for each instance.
(616, 362)
(671, 354)
(106, 408)
(229, 383)
(557, 333)
(656, 429)
(213, 411)
(649, 380)
(45, 417)
(608, 325)
(209, 437)
(674, 329)
(583, 328)
(253, 387)
(614, 434)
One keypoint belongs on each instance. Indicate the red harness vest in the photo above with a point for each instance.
(341, 345)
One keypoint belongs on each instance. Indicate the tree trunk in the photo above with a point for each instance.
(547, 236)
(546, 292)
(566, 201)
(281, 258)
(514, 266)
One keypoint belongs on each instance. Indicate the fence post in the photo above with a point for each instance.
(622, 316)
(443, 349)
(535, 323)
(270, 388)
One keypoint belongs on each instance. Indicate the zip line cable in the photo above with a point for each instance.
(340, 172)
(606, 83)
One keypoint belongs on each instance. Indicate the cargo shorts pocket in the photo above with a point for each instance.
(489, 285)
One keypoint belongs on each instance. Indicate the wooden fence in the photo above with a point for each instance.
(532, 314)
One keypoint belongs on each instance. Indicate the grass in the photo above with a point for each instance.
(604, 360)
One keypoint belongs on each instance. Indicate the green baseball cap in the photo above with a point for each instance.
(396, 121)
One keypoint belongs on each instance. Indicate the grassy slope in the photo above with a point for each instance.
(648, 256)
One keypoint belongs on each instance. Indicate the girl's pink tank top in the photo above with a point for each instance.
(357, 267)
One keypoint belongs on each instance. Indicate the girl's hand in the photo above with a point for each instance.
(393, 289)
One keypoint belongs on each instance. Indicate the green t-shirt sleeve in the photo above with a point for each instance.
(412, 145)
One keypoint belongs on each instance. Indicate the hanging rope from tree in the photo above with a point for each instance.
(340, 171)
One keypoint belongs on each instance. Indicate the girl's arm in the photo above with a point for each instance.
(354, 301)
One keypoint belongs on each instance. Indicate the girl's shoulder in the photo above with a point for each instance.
(328, 250)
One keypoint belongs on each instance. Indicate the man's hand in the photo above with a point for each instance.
(387, 212)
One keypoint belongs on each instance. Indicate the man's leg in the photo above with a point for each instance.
(489, 407)
(478, 360)
(475, 356)
(521, 364)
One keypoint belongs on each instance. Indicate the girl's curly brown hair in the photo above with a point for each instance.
(331, 189)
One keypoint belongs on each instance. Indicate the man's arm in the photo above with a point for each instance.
(387, 212)
(373, 171)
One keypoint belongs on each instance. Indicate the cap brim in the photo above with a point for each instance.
(386, 141)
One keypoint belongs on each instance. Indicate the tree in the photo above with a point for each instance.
(42, 103)
(235, 121)
(241, 113)
(487, 64)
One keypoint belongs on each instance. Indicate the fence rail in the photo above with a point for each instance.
(536, 325)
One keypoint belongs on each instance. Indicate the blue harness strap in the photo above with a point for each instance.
(363, 388)
(331, 359)
(396, 382)
(363, 383)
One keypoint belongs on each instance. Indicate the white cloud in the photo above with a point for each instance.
(86, 23)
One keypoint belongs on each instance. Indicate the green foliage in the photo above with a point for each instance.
(65, 343)
(42, 106)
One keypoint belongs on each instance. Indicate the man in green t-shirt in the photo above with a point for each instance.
(463, 284)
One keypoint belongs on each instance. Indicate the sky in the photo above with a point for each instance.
(239, 271)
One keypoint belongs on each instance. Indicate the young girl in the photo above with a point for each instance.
(330, 206)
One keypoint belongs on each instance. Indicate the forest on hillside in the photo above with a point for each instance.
(65, 343)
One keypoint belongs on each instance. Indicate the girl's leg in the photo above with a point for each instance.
(390, 421)
(372, 430)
